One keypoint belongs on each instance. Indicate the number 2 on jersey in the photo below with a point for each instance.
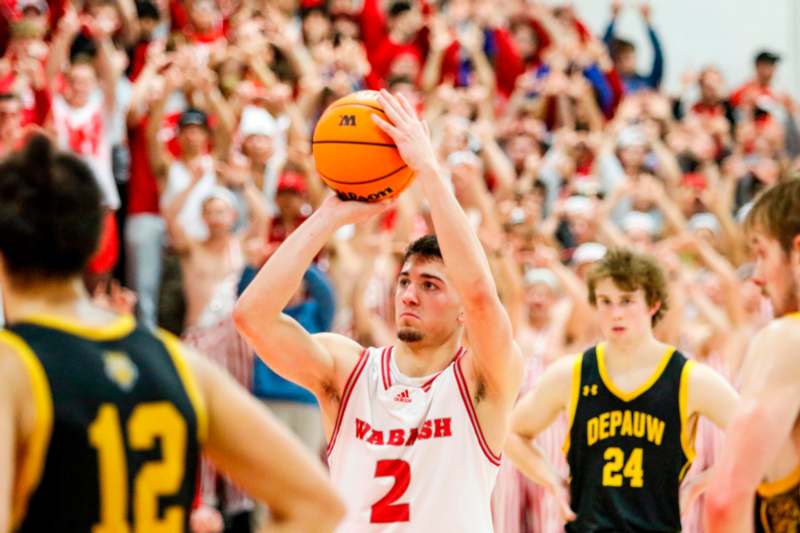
(385, 511)
(148, 422)
(615, 458)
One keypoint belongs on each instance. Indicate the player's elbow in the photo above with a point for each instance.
(321, 513)
(720, 505)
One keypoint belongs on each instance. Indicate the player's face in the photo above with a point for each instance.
(623, 315)
(427, 308)
(776, 272)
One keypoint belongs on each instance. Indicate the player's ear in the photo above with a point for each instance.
(654, 308)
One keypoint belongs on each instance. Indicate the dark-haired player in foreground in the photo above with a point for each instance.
(415, 429)
(760, 463)
(102, 422)
(632, 404)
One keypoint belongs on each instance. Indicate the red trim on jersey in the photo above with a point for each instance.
(348, 390)
(427, 385)
(386, 368)
(473, 417)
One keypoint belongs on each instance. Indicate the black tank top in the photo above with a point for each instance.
(628, 452)
(119, 422)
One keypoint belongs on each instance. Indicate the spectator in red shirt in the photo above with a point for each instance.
(754, 91)
(389, 35)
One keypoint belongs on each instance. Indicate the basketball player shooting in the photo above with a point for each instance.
(415, 429)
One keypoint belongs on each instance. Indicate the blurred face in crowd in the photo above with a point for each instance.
(409, 91)
(406, 65)
(623, 315)
(765, 71)
(626, 62)
(540, 299)
(10, 116)
(518, 148)
(346, 27)
(259, 148)
(427, 309)
(316, 27)
(404, 26)
(81, 83)
(204, 15)
(711, 85)
(290, 203)
(776, 272)
(147, 27)
(632, 157)
(525, 39)
(193, 140)
(219, 216)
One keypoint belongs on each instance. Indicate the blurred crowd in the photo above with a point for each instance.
(196, 117)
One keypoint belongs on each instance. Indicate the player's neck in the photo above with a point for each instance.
(417, 361)
(632, 349)
(64, 298)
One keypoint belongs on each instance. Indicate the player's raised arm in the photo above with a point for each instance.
(762, 424)
(488, 326)
(533, 414)
(262, 457)
(278, 339)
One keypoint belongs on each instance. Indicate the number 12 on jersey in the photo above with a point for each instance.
(615, 459)
(385, 510)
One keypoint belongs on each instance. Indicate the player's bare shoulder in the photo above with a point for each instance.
(772, 357)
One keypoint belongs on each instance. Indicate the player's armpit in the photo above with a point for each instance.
(293, 353)
(262, 457)
(494, 355)
(711, 396)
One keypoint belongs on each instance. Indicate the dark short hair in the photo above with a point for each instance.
(398, 7)
(50, 212)
(631, 271)
(776, 212)
(426, 247)
(766, 56)
(148, 10)
(619, 47)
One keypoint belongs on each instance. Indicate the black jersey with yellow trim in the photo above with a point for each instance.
(777, 507)
(119, 422)
(628, 451)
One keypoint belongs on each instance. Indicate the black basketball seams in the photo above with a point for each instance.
(366, 143)
(373, 180)
(344, 104)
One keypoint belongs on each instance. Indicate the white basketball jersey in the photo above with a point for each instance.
(407, 454)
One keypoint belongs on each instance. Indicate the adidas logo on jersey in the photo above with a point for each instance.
(403, 397)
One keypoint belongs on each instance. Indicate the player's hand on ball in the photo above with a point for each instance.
(410, 134)
(352, 212)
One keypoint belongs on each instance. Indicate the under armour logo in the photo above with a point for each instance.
(347, 120)
(590, 389)
(403, 397)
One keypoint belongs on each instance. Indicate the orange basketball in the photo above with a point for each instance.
(353, 155)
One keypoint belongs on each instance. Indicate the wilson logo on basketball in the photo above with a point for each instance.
(345, 196)
(347, 120)
(403, 397)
